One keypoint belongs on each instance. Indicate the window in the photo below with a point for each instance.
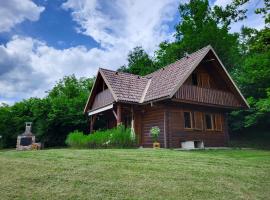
(194, 79)
(218, 122)
(204, 80)
(209, 122)
(198, 120)
(187, 120)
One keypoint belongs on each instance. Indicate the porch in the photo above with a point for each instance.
(110, 116)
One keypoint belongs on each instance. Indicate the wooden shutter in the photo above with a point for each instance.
(218, 122)
(204, 80)
(198, 120)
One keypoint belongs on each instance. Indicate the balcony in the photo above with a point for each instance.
(190, 93)
(102, 99)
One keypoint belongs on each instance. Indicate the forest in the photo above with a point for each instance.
(246, 55)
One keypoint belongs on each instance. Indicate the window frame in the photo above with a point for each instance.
(204, 80)
(191, 120)
(212, 122)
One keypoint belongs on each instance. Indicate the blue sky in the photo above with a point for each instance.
(43, 40)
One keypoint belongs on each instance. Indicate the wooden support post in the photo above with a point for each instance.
(91, 124)
(115, 115)
(132, 123)
(92, 121)
(132, 118)
(119, 120)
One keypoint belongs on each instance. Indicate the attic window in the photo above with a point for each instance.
(194, 79)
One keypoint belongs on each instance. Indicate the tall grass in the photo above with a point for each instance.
(119, 137)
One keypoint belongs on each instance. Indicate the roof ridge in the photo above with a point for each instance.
(122, 72)
(146, 76)
(178, 60)
(145, 90)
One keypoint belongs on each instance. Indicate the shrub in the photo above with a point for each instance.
(119, 137)
(76, 139)
(155, 133)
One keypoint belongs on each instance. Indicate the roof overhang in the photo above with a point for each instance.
(99, 73)
(99, 110)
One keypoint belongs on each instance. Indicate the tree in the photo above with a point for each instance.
(168, 53)
(53, 117)
(201, 25)
(253, 77)
(139, 62)
(265, 12)
(66, 100)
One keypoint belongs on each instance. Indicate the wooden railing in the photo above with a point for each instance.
(102, 99)
(207, 96)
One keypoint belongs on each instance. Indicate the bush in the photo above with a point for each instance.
(76, 139)
(119, 137)
(155, 133)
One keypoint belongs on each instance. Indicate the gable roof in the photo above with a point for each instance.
(161, 84)
(168, 79)
(126, 87)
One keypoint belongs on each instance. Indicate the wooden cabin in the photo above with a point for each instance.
(188, 100)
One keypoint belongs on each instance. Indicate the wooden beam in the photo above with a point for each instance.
(92, 122)
(132, 118)
(132, 122)
(115, 115)
(119, 119)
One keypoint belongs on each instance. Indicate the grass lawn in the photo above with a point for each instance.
(135, 174)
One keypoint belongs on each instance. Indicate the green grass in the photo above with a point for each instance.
(135, 174)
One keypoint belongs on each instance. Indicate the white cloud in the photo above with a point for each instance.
(253, 20)
(29, 67)
(124, 24)
(13, 12)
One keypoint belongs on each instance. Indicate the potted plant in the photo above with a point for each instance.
(155, 133)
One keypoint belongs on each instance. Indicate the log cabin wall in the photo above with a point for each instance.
(170, 117)
(138, 126)
(176, 132)
(151, 116)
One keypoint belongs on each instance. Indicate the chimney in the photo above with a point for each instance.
(28, 128)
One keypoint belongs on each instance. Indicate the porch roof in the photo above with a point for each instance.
(101, 109)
